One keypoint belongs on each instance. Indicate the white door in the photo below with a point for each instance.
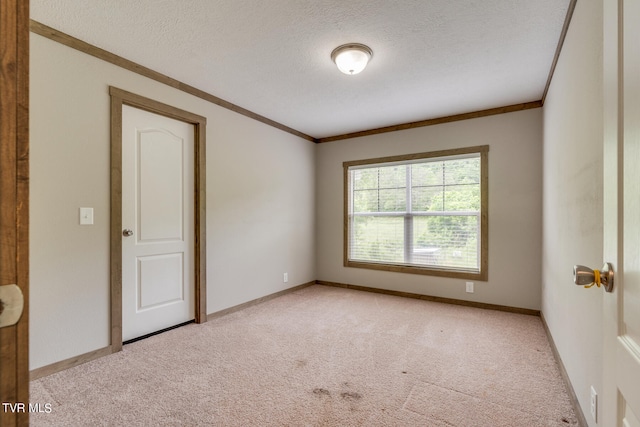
(621, 375)
(157, 221)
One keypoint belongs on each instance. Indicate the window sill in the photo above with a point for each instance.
(427, 271)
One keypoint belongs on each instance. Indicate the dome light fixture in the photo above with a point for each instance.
(351, 58)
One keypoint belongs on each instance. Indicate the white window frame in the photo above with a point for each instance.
(480, 273)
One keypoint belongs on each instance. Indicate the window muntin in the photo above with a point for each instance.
(424, 213)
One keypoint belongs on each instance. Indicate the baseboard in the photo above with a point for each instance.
(69, 363)
(256, 301)
(83, 358)
(518, 310)
(96, 354)
(582, 421)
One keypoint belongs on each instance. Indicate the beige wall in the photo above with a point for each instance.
(515, 196)
(260, 201)
(572, 215)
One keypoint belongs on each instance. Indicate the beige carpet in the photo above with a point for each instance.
(323, 356)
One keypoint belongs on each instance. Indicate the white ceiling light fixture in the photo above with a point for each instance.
(351, 58)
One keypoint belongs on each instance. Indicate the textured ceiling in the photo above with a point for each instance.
(432, 58)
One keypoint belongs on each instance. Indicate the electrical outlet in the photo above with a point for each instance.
(594, 404)
(470, 287)
(285, 278)
(86, 216)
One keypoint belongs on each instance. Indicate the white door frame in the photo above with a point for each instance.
(119, 98)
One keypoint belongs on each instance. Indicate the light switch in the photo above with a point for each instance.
(86, 216)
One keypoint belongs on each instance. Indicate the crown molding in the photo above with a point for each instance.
(74, 43)
(436, 121)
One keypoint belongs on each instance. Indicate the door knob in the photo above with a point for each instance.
(584, 276)
(127, 232)
(11, 305)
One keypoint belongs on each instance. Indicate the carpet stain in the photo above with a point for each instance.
(301, 363)
(349, 395)
(321, 392)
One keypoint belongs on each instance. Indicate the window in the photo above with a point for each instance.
(421, 213)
